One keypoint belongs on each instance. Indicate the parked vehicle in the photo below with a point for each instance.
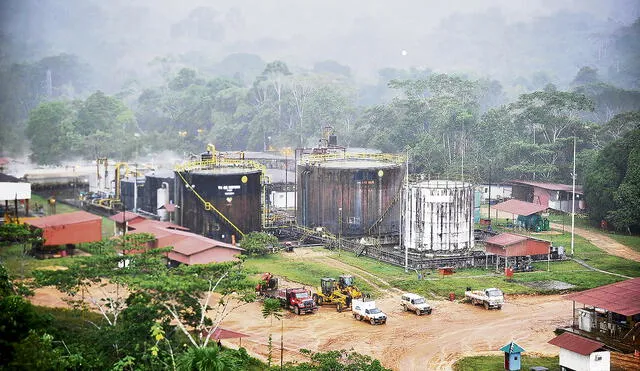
(415, 303)
(368, 311)
(340, 292)
(298, 299)
(490, 298)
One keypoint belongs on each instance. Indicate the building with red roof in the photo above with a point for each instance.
(551, 195)
(187, 248)
(69, 228)
(509, 244)
(609, 313)
(579, 353)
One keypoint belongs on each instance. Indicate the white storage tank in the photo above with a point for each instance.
(438, 217)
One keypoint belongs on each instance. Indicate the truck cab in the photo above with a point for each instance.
(415, 303)
(300, 301)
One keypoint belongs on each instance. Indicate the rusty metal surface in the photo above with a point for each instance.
(620, 297)
(348, 197)
(224, 188)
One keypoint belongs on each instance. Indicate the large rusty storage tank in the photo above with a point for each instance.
(439, 217)
(236, 192)
(350, 195)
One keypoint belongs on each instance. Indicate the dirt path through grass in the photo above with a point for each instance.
(605, 243)
(378, 284)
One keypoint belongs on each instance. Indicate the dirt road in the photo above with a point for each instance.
(605, 243)
(407, 341)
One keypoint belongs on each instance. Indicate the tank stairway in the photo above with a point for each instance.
(386, 211)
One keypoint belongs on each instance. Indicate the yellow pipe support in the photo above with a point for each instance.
(209, 206)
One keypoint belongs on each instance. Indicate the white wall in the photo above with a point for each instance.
(283, 200)
(577, 361)
(11, 191)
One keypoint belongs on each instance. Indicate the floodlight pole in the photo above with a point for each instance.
(573, 196)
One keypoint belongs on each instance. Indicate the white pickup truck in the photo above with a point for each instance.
(367, 311)
(490, 298)
(415, 303)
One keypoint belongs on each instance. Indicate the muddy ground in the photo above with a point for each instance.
(407, 341)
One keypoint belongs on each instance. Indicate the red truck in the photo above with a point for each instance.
(298, 300)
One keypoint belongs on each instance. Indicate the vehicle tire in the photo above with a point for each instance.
(339, 307)
(418, 312)
(429, 311)
(404, 307)
(372, 321)
(499, 307)
(358, 317)
(297, 310)
(316, 299)
(486, 305)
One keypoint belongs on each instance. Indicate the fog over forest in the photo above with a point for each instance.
(82, 79)
(502, 39)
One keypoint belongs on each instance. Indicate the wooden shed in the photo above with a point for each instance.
(69, 229)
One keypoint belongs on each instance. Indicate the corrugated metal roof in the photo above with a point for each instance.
(506, 239)
(620, 297)
(63, 219)
(549, 186)
(576, 344)
(125, 216)
(519, 207)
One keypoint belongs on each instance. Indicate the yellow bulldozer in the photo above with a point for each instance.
(339, 292)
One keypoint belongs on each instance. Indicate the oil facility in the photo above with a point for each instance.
(439, 217)
(350, 194)
(220, 197)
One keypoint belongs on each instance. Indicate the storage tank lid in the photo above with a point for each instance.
(226, 171)
(357, 164)
(446, 184)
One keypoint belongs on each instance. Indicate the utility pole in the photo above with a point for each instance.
(402, 218)
(573, 195)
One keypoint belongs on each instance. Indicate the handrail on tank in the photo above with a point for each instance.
(219, 162)
(209, 205)
(386, 157)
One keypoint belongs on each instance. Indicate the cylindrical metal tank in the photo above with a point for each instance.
(160, 182)
(439, 217)
(350, 197)
(235, 191)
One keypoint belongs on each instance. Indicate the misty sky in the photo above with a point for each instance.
(365, 34)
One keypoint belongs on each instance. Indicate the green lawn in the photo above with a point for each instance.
(305, 273)
(629, 241)
(20, 266)
(497, 363)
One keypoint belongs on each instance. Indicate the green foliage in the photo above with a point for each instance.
(17, 318)
(258, 243)
(206, 359)
(38, 352)
(337, 360)
(613, 183)
(17, 233)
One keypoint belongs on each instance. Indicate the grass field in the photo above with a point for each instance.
(305, 273)
(497, 363)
